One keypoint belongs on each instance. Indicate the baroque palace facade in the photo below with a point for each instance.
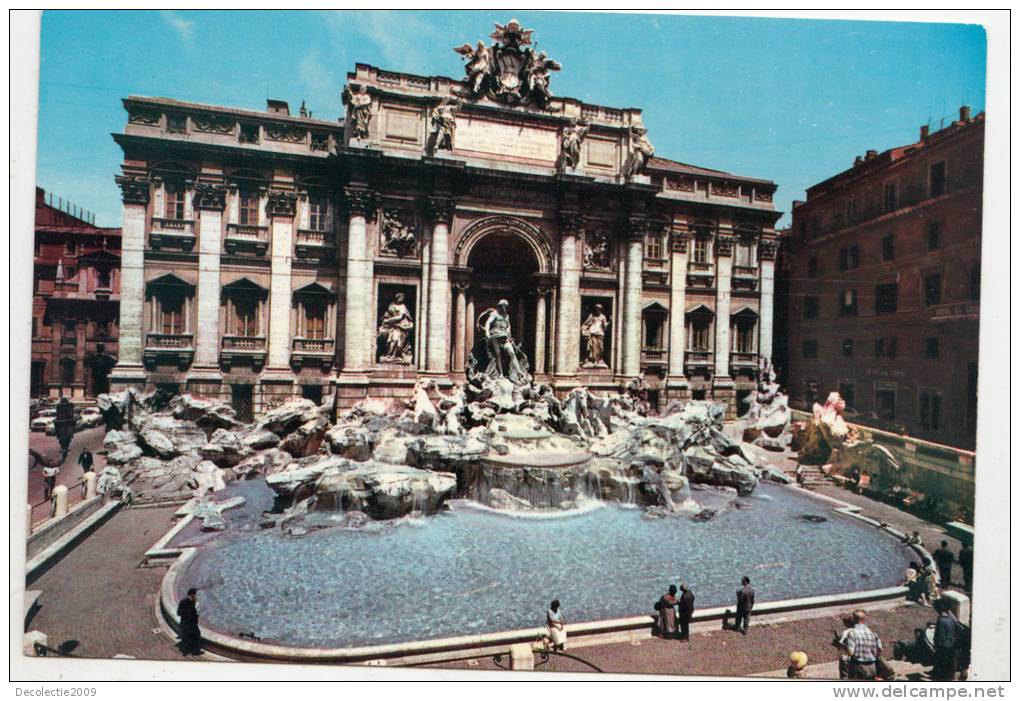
(268, 255)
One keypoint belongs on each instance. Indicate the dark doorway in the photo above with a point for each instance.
(37, 382)
(100, 380)
(241, 398)
(313, 392)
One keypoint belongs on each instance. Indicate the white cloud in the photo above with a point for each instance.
(320, 86)
(398, 35)
(183, 27)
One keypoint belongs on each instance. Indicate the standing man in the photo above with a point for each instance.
(50, 473)
(943, 557)
(191, 636)
(685, 609)
(947, 635)
(863, 647)
(85, 460)
(745, 602)
(966, 560)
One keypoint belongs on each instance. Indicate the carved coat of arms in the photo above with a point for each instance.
(510, 71)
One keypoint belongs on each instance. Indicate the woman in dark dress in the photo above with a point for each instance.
(666, 606)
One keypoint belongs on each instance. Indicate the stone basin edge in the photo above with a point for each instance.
(240, 649)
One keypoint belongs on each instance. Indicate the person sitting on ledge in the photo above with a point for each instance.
(556, 625)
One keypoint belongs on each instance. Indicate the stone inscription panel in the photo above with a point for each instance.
(402, 125)
(601, 153)
(496, 138)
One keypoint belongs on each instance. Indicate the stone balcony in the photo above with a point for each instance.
(698, 361)
(172, 348)
(246, 238)
(654, 358)
(314, 244)
(172, 233)
(743, 364)
(956, 311)
(312, 350)
(745, 277)
(243, 348)
(700, 275)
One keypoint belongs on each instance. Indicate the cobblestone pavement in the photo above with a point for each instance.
(98, 601)
(727, 653)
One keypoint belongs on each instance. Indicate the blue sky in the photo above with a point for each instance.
(789, 100)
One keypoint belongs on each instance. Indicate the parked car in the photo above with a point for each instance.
(90, 417)
(44, 421)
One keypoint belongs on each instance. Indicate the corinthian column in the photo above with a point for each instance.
(459, 322)
(677, 306)
(358, 324)
(280, 206)
(724, 277)
(135, 194)
(767, 262)
(437, 355)
(568, 313)
(632, 288)
(540, 331)
(209, 202)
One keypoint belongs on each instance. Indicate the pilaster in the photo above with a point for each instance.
(679, 244)
(568, 321)
(439, 210)
(280, 208)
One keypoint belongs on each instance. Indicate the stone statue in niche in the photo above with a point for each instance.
(359, 110)
(444, 125)
(395, 331)
(641, 151)
(570, 148)
(397, 237)
(506, 359)
(594, 330)
(596, 252)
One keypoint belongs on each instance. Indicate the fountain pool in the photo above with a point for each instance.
(472, 570)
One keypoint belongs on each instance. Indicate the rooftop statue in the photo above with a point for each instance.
(359, 110)
(508, 72)
(444, 125)
(641, 151)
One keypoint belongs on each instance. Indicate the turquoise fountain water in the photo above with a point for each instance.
(472, 570)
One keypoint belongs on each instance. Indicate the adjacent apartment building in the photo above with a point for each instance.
(75, 305)
(882, 281)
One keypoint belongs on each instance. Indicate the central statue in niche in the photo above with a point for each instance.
(506, 359)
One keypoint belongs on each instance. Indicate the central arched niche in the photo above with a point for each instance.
(503, 264)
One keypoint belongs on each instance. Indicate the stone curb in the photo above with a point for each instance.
(417, 652)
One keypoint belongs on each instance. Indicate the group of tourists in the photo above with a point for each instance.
(674, 613)
(925, 582)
